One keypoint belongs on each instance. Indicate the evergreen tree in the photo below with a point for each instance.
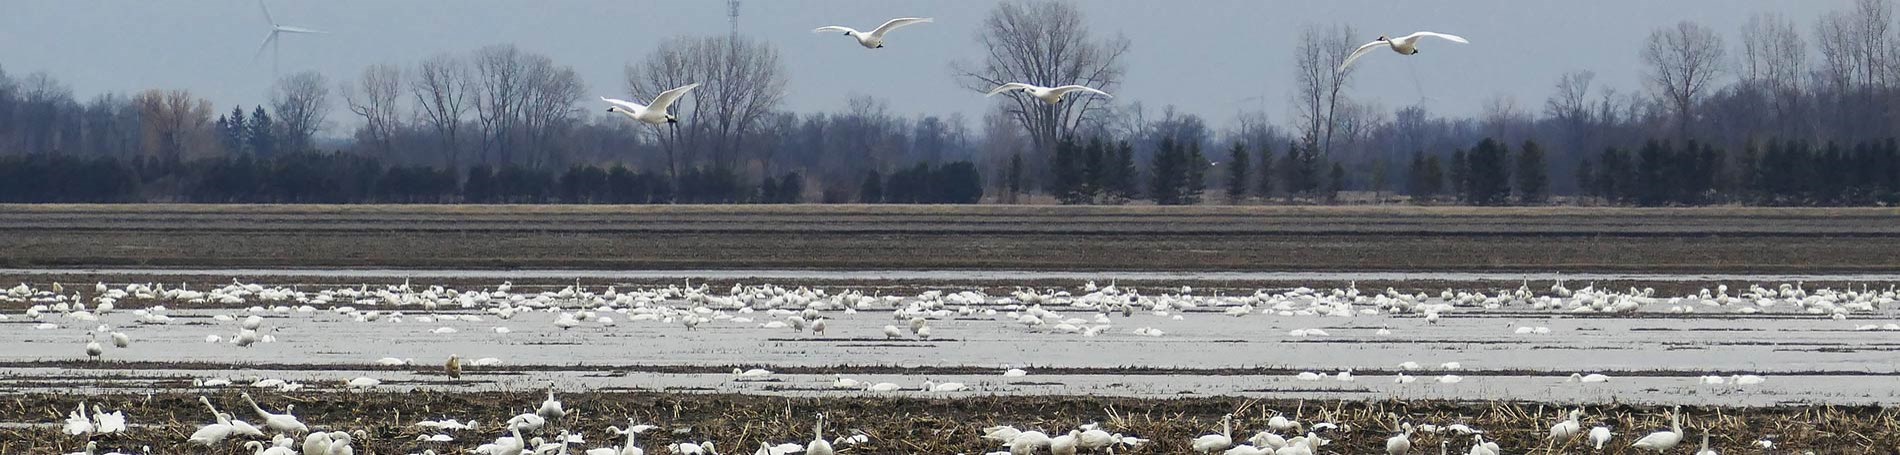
(233, 131)
(1069, 172)
(1194, 164)
(1434, 177)
(1094, 171)
(1169, 178)
(872, 190)
(1460, 168)
(1652, 173)
(1015, 176)
(1487, 176)
(1265, 188)
(1415, 176)
(1533, 179)
(1237, 167)
(1124, 178)
(1587, 180)
(1335, 182)
(1379, 177)
(262, 133)
(791, 189)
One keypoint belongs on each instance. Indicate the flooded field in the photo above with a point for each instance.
(1763, 345)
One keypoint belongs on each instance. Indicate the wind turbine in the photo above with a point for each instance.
(271, 40)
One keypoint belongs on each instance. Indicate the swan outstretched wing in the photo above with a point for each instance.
(1361, 52)
(623, 104)
(1445, 36)
(834, 28)
(666, 98)
(1077, 88)
(1008, 87)
(893, 24)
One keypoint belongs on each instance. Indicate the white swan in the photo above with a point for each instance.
(1404, 45)
(1662, 441)
(1598, 436)
(818, 445)
(1705, 450)
(1567, 429)
(1209, 443)
(551, 408)
(1051, 95)
(875, 38)
(654, 113)
(282, 423)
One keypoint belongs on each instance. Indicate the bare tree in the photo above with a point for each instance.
(1321, 81)
(173, 122)
(442, 89)
(500, 81)
(742, 82)
(1774, 59)
(1044, 42)
(1683, 61)
(547, 105)
(302, 103)
(375, 98)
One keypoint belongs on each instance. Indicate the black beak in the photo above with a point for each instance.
(610, 109)
(672, 120)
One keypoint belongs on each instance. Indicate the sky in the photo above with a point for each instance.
(1214, 58)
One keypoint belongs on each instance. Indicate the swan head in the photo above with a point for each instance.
(1384, 38)
(613, 108)
(879, 46)
(672, 119)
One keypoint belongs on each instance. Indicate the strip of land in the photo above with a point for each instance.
(871, 237)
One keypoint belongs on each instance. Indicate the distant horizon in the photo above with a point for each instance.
(207, 47)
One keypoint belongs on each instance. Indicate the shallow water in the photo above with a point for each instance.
(1652, 356)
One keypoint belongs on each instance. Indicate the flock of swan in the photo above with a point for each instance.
(277, 434)
(655, 112)
(258, 312)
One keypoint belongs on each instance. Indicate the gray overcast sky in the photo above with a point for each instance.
(1519, 47)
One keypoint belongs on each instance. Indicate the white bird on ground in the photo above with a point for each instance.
(875, 38)
(1598, 436)
(1568, 428)
(629, 449)
(1401, 443)
(1051, 95)
(1705, 450)
(818, 445)
(551, 408)
(1404, 45)
(104, 423)
(282, 423)
(77, 423)
(654, 113)
(1210, 443)
(119, 340)
(1662, 441)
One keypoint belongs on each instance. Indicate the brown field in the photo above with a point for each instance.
(865, 237)
(921, 426)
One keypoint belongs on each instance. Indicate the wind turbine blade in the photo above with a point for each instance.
(290, 29)
(266, 8)
(260, 46)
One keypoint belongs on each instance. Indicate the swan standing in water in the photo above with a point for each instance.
(875, 38)
(652, 114)
(1404, 45)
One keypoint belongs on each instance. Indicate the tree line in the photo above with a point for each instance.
(340, 178)
(1789, 114)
